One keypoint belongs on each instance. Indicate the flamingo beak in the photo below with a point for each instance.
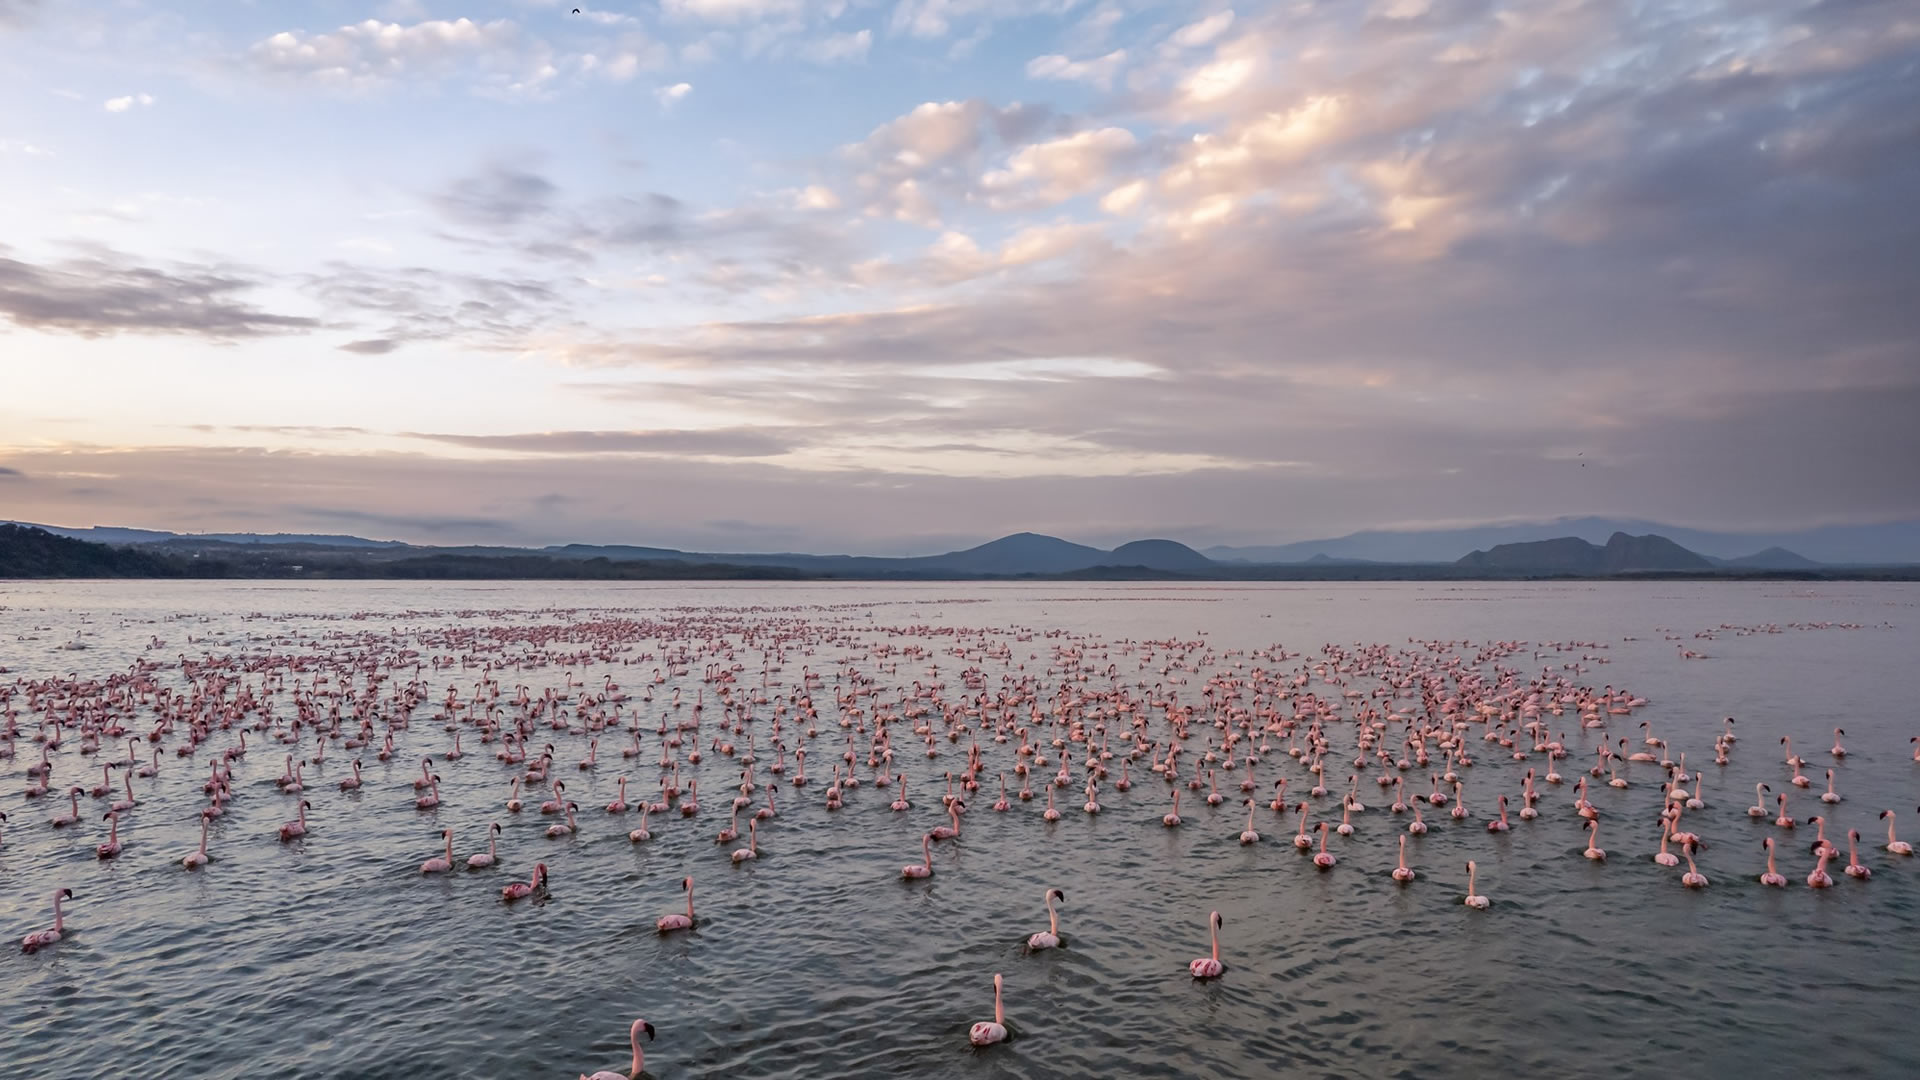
(648, 1028)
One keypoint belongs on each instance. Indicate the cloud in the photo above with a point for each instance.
(1096, 72)
(370, 52)
(1195, 34)
(1045, 173)
(11, 474)
(103, 292)
(499, 195)
(731, 11)
(371, 346)
(842, 48)
(668, 96)
(418, 303)
(122, 104)
(734, 442)
(15, 14)
(20, 146)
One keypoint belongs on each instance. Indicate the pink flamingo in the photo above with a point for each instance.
(1248, 836)
(1819, 878)
(900, 802)
(558, 802)
(1772, 876)
(567, 828)
(1897, 847)
(677, 921)
(1693, 878)
(1474, 900)
(1855, 868)
(514, 804)
(949, 832)
(1594, 852)
(483, 859)
(1501, 824)
(1050, 814)
(1324, 859)
(1210, 967)
(199, 858)
(520, 890)
(752, 850)
(41, 938)
(1665, 857)
(111, 847)
(432, 798)
(1173, 818)
(293, 830)
(352, 783)
(633, 1069)
(619, 803)
(1050, 937)
(443, 864)
(641, 834)
(988, 1032)
(925, 867)
(1417, 826)
(72, 816)
(1402, 873)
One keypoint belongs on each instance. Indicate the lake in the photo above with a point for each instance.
(334, 956)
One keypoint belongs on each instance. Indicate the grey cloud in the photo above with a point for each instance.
(433, 524)
(104, 292)
(18, 13)
(11, 474)
(371, 346)
(497, 196)
(730, 442)
(421, 303)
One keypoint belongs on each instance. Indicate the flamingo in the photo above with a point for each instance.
(432, 798)
(72, 816)
(1402, 873)
(111, 846)
(1210, 967)
(567, 828)
(1829, 795)
(900, 802)
(1050, 937)
(1897, 847)
(988, 1032)
(619, 803)
(1500, 825)
(490, 857)
(1819, 878)
(1474, 900)
(1323, 858)
(520, 890)
(1593, 833)
(1772, 876)
(557, 803)
(293, 830)
(41, 938)
(1855, 868)
(199, 858)
(1050, 814)
(1838, 750)
(443, 864)
(514, 804)
(1693, 878)
(752, 850)
(1665, 857)
(949, 832)
(1417, 827)
(1172, 818)
(1249, 836)
(641, 833)
(352, 783)
(677, 921)
(924, 868)
(633, 1069)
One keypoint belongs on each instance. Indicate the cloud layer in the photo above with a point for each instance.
(1232, 275)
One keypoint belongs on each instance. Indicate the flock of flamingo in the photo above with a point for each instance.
(992, 710)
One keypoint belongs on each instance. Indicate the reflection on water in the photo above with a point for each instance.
(334, 956)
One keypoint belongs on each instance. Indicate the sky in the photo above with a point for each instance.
(897, 276)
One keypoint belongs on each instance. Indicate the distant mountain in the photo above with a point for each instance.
(1894, 543)
(1773, 558)
(1572, 555)
(27, 552)
(108, 534)
(1157, 555)
(1021, 553)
